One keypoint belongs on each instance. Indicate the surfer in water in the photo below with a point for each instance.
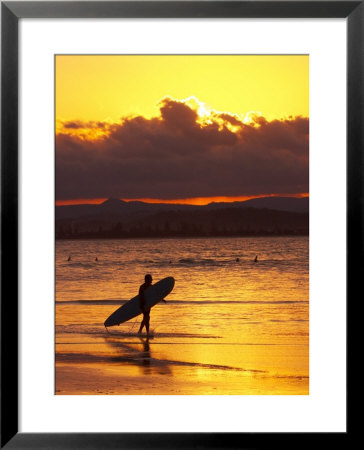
(146, 312)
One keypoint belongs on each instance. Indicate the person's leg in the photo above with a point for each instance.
(147, 318)
(142, 324)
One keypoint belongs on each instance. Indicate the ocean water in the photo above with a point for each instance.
(230, 326)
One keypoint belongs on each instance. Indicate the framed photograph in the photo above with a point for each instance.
(181, 221)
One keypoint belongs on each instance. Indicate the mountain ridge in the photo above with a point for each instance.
(117, 218)
(115, 206)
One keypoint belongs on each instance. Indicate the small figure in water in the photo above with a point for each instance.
(256, 258)
(237, 259)
(69, 258)
(146, 312)
(96, 259)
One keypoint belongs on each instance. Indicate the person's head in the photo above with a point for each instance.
(148, 278)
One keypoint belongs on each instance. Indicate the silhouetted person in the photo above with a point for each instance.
(96, 259)
(256, 258)
(69, 258)
(237, 259)
(146, 312)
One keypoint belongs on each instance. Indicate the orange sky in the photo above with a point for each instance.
(186, 201)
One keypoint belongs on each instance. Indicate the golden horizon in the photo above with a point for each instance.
(198, 201)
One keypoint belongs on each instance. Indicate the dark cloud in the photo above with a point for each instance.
(73, 125)
(175, 156)
(230, 118)
(80, 125)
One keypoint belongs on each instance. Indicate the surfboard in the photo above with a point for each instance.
(154, 294)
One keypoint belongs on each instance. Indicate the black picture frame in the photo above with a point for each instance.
(11, 12)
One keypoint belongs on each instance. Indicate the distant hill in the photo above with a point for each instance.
(113, 207)
(278, 203)
(117, 207)
(117, 218)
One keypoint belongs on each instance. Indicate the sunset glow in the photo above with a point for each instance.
(180, 201)
(81, 201)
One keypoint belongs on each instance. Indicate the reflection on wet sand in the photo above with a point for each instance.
(139, 354)
(134, 354)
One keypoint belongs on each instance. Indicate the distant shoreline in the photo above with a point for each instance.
(97, 236)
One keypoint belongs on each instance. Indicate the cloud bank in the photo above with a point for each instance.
(181, 154)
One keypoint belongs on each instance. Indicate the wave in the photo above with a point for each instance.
(197, 261)
(91, 302)
(186, 261)
(98, 330)
(120, 302)
(78, 265)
